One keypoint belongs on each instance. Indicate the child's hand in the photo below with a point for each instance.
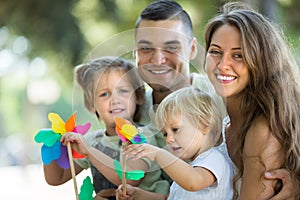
(129, 193)
(141, 150)
(77, 141)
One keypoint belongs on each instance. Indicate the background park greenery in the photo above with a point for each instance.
(42, 41)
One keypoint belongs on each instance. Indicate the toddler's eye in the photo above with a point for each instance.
(104, 94)
(175, 130)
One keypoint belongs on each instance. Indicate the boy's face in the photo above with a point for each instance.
(163, 52)
(114, 97)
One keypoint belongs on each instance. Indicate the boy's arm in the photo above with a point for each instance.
(100, 160)
(55, 175)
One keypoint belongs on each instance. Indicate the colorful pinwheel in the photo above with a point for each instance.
(127, 133)
(52, 148)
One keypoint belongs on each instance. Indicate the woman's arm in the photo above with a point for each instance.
(262, 152)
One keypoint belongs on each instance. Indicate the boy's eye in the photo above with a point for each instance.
(164, 134)
(123, 90)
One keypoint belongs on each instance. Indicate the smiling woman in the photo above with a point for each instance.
(253, 69)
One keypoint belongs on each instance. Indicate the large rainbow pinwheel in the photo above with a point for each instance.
(52, 148)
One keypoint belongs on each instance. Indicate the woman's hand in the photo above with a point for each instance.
(290, 187)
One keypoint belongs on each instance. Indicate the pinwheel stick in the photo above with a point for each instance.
(72, 169)
(124, 169)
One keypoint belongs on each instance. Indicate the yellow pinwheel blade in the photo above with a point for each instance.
(128, 131)
(58, 125)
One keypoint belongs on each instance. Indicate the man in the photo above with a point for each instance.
(165, 45)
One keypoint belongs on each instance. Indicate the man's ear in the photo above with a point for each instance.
(194, 49)
(134, 53)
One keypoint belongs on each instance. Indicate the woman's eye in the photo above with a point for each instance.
(238, 56)
(214, 52)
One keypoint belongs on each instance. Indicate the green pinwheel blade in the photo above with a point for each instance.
(47, 136)
(86, 189)
(135, 175)
(118, 168)
(130, 175)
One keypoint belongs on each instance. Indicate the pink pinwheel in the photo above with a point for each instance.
(52, 148)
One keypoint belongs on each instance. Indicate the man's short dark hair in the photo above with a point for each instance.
(166, 10)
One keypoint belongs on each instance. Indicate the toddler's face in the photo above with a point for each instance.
(183, 139)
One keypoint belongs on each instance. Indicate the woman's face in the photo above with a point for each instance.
(225, 65)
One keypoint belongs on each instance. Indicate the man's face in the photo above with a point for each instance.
(163, 52)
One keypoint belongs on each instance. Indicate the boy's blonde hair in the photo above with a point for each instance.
(87, 76)
(196, 105)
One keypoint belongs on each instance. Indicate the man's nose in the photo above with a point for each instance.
(158, 56)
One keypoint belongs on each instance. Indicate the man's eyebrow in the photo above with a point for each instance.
(172, 42)
(144, 42)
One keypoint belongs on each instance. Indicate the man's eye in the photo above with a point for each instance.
(145, 49)
(171, 49)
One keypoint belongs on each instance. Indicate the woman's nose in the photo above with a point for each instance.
(224, 62)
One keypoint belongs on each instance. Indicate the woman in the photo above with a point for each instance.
(252, 69)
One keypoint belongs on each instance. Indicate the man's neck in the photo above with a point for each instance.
(159, 95)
